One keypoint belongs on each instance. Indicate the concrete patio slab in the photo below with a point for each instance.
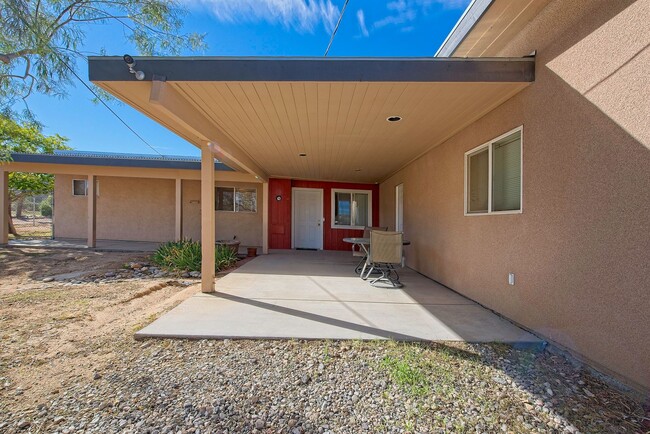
(316, 295)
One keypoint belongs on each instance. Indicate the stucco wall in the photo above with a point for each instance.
(142, 209)
(246, 226)
(127, 209)
(581, 248)
(70, 212)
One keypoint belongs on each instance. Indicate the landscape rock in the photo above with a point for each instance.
(77, 368)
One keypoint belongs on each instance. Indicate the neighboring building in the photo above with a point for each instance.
(506, 166)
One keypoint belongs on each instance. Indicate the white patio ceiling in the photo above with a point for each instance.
(262, 126)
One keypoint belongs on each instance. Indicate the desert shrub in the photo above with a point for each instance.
(46, 207)
(186, 256)
(224, 257)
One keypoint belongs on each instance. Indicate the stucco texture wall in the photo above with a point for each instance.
(581, 248)
(137, 209)
(70, 212)
(142, 209)
(246, 226)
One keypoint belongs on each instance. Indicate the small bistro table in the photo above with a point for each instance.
(364, 244)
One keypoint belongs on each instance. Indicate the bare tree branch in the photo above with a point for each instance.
(9, 57)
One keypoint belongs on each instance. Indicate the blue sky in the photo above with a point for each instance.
(370, 28)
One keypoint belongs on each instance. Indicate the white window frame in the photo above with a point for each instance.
(234, 201)
(489, 146)
(333, 210)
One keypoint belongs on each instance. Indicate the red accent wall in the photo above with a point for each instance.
(280, 212)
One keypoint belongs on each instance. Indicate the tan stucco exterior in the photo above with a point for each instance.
(127, 209)
(581, 248)
(247, 227)
(143, 209)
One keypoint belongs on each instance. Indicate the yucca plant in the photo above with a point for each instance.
(185, 255)
(224, 257)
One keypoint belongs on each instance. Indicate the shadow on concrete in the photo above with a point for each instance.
(386, 334)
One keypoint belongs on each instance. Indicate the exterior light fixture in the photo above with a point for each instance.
(394, 118)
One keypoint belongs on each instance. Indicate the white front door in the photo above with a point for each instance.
(399, 208)
(307, 218)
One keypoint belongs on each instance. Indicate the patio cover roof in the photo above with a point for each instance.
(260, 114)
(487, 26)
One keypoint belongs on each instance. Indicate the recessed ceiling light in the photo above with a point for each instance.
(394, 118)
(302, 154)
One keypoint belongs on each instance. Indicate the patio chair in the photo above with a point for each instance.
(385, 253)
(358, 252)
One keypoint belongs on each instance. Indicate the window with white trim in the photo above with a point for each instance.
(235, 199)
(493, 176)
(80, 187)
(351, 209)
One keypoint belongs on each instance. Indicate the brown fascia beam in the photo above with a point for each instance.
(168, 99)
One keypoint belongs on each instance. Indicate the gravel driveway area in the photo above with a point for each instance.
(68, 363)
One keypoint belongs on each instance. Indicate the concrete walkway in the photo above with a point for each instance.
(77, 243)
(316, 295)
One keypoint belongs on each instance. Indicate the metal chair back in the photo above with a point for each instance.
(385, 247)
(368, 229)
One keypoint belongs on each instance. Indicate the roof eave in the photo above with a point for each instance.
(300, 69)
(112, 162)
(475, 10)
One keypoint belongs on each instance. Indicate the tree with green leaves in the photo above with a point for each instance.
(27, 138)
(41, 40)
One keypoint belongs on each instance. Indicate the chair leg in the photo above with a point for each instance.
(387, 272)
(360, 266)
(372, 268)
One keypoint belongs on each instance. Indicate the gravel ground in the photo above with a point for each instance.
(68, 363)
(166, 386)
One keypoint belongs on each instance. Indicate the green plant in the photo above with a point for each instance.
(41, 41)
(185, 255)
(224, 257)
(406, 375)
(406, 368)
(46, 207)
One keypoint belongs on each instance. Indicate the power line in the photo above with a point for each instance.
(40, 38)
(338, 23)
(112, 111)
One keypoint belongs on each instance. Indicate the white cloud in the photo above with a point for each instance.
(406, 11)
(362, 23)
(447, 4)
(301, 15)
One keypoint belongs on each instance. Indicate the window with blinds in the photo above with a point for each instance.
(506, 173)
(493, 176)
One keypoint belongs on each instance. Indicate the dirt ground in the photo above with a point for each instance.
(69, 363)
(26, 226)
(56, 332)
